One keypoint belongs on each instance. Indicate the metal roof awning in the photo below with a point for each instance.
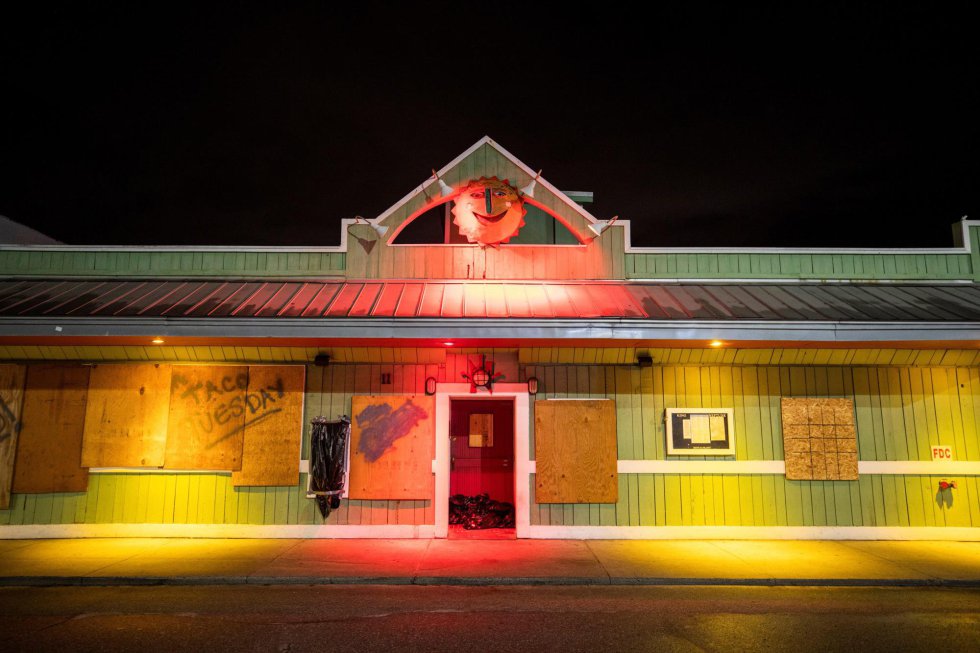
(519, 310)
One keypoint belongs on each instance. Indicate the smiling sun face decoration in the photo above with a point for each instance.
(489, 211)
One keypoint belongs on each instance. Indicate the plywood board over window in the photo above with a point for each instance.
(49, 450)
(126, 419)
(273, 426)
(207, 417)
(392, 440)
(819, 439)
(575, 451)
(11, 404)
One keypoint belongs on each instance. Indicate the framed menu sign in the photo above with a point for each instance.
(700, 432)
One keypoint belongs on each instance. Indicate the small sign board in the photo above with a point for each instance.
(942, 452)
(700, 432)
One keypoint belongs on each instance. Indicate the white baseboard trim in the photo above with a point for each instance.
(701, 467)
(778, 467)
(920, 467)
(753, 533)
(255, 531)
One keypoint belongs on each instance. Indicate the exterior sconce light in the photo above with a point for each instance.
(644, 361)
(601, 225)
(430, 385)
(532, 386)
(321, 360)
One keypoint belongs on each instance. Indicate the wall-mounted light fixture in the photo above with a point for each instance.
(430, 385)
(321, 360)
(716, 343)
(380, 230)
(600, 226)
(532, 385)
(644, 361)
(157, 341)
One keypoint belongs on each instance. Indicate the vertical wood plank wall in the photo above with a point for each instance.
(901, 411)
(208, 498)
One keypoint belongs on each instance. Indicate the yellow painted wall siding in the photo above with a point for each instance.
(221, 354)
(771, 500)
(900, 412)
(726, 356)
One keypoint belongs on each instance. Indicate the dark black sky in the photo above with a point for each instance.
(841, 126)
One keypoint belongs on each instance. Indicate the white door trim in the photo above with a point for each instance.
(522, 439)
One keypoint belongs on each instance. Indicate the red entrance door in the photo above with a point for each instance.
(476, 469)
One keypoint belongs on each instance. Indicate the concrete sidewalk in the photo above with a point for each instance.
(487, 562)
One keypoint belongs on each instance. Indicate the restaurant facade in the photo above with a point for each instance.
(488, 335)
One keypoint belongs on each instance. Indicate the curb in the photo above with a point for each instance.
(477, 581)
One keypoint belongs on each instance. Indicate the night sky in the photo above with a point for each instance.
(841, 127)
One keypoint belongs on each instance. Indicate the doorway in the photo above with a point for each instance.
(481, 468)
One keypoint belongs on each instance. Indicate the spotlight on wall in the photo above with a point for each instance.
(532, 385)
(600, 226)
(321, 360)
(157, 341)
(644, 361)
(380, 230)
(430, 385)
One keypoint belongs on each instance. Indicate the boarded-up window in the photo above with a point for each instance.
(273, 426)
(207, 417)
(49, 450)
(11, 403)
(819, 439)
(392, 440)
(575, 451)
(126, 419)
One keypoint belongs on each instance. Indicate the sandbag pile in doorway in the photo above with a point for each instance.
(480, 512)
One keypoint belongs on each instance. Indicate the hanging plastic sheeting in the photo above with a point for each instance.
(328, 462)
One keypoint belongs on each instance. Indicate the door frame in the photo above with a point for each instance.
(522, 441)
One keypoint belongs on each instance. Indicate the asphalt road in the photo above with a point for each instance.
(407, 618)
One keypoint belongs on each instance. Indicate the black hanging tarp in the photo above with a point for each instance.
(328, 461)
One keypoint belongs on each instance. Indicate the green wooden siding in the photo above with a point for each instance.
(900, 412)
(171, 263)
(770, 500)
(163, 498)
(603, 259)
(817, 266)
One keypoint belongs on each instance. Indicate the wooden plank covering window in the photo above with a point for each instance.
(207, 417)
(819, 439)
(392, 440)
(49, 449)
(273, 426)
(11, 403)
(575, 451)
(126, 419)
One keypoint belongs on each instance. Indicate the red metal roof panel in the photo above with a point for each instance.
(365, 300)
(452, 301)
(279, 300)
(387, 301)
(431, 304)
(342, 303)
(299, 301)
(321, 300)
(409, 302)
(474, 300)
